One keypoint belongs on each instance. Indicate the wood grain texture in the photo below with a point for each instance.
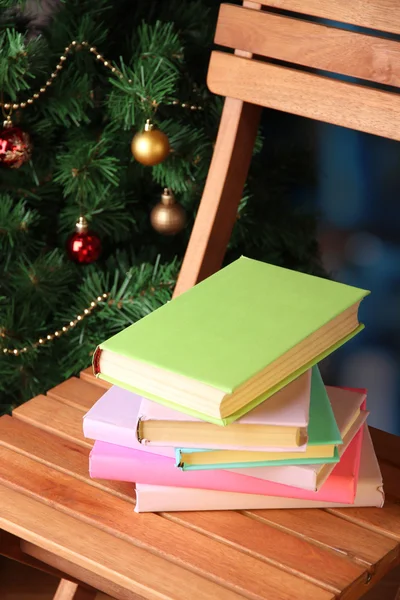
(54, 417)
(332, 570)
(10, 547)
(64, 455)
(384, 521)
(323, 528)
(70, 569)
(87, 375)
(305, 94)
(68, 590)
(43, 454)
(382, 15)
(178, 544)
(77, 393)
(223, 190)
(309, 44)
(105, 554)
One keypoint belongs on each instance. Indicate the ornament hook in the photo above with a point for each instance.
(7, 116)
(81, 225)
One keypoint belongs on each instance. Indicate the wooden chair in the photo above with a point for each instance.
(249, 82)
(54, 517)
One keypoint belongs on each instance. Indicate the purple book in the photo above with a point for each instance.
(110, 421)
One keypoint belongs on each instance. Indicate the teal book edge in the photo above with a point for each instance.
(245, 409)
(265, 463)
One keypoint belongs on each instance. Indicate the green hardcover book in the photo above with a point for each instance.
(322, 446)
(232, 341)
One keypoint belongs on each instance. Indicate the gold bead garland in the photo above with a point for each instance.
(59, 332)
(74, 45)
(78, 319)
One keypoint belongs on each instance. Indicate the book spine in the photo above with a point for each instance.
(154, 498)
(96, 361)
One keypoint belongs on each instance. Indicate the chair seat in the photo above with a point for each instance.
(88, 528)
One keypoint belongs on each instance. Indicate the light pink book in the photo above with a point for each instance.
(345, 403)
(108, 461)
(156, 498)
(288, 408)
(113, 419)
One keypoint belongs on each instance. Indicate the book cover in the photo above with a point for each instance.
(209, 339)
(113, 462)
(323, 431)
(156, 498)
(113, 418)
(308, 477)
(288, 408)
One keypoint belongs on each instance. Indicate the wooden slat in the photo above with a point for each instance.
(382, 15)
(54, 417)
(56, 452)
(309, 44)
(10, 547)
(363, 545)
(77, 393)
(384, 520)
(87, 375)
(305, 94)
(106, 555)
(71, 569)
(178, 544)
(68, 590)
(223, 190)
(329, 569)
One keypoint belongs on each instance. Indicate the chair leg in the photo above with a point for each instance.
(67, 590)
(222, 193)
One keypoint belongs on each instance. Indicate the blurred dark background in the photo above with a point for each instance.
(354, 190)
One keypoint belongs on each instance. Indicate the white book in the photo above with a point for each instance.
(155, 498)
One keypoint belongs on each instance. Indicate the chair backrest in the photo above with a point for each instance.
(290, 62)
(305, 45)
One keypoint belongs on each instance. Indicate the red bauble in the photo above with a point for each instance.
(15, 147)
(83, 246)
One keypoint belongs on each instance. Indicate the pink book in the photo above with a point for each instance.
(345, 402)
(108, 461)
(113, 418)
(281, 424)
(156, 498)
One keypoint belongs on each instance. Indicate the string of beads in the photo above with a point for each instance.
(8, 107)
(58, 332)
(45, 339)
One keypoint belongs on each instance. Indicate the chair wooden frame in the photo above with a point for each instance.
(248, 84)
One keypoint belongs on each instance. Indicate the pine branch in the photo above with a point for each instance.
(44, 279)
(70, 100)
(191, 150)
(16, 221)
(108, 214)
(14, 63)
(85, 168)
(150, 78)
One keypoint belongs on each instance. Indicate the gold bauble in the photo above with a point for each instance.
(150, 146)
(168, 217)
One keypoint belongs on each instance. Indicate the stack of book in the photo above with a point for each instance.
(217, 401)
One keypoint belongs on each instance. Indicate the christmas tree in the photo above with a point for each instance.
(86, 245)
